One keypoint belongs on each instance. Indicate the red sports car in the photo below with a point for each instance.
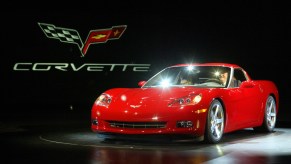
(188, 100)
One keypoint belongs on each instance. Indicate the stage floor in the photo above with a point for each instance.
(67, 139)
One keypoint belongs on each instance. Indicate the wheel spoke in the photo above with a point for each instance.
(273, 114)
(211, 115)
(269, 119)
(219, 121)
(217, 132)
(216, 111)
(272, 104)
(212, 126)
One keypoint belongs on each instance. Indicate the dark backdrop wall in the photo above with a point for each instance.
(254, 35)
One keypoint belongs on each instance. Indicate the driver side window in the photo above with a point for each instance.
(238, 78)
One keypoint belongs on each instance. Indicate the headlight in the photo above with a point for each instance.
(103, 100)
(191, 99)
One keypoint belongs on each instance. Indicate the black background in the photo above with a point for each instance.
(252, 34)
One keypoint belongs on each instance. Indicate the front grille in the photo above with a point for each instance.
(137, 125)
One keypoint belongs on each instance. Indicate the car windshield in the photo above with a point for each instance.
(198, 76)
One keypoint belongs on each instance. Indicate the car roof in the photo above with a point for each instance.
(209, 64)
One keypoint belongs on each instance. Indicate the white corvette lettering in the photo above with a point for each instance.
(47, 66)
(83, 67)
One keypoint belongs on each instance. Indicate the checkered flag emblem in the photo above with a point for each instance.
(72, 36)
(63, 34)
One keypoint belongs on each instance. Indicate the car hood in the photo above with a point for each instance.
(142, 97)
(144, 104)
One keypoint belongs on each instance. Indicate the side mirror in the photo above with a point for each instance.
(247, 84)
(141, 83)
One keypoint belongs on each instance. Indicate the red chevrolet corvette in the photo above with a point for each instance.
(188, 100)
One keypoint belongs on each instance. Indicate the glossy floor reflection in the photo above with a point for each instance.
(69, 140)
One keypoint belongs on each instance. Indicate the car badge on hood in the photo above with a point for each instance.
(135, 106)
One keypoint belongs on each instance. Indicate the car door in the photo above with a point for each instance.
(248, 102)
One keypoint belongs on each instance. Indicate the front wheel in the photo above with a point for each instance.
(215, 123)
(269, 116)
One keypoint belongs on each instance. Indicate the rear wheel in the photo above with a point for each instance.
(269, 116)
(215, 123)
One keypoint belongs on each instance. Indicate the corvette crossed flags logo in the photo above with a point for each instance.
(72, 36)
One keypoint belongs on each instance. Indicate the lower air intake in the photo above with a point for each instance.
(137, 125)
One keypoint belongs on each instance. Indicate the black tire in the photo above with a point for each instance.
(214, 123)
(270, 115)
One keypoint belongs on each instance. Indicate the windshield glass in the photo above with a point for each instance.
(198, 76)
